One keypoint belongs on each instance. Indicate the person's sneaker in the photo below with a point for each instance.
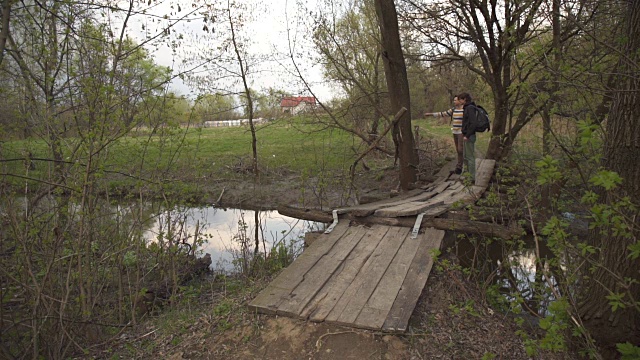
(457, 171)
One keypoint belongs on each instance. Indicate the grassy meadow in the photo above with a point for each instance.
(194, 159)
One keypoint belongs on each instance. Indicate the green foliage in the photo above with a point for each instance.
(216, 106)
(628, 351)
(589, 139)
(279, 257)
(606, 179)
(496, 299)
(466, 307)
(267, 102)
(548, 170)
(223, 309)
(634, 250)
(616, 301)
(555, 325)
(611, 217)
(589, 197)
(555, 230)
(601, 205)
(488, 356)
(129, 258)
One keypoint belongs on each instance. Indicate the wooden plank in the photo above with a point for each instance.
(470, 195)
(295, 272)
(484, 171)
(367, 209)
(441, 187)
(408, 209)
(293, 304)
(414, 195)
(411, 206)
(456, 186)
(375, 311)
(414, 282)
(447, 195)
(466, 196)
(415, 207)
(270, 297)
(458, 198)
(435, 211)
(325, 300)
(443, 174)
(468, 226)
(355, 297)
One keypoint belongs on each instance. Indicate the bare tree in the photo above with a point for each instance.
(513, 47)
(485, 36)
(247, 95)
(349, 47)
(82, 85)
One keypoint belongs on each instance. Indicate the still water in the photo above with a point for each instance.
(224, 230)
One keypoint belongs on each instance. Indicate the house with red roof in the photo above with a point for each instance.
(297, 104)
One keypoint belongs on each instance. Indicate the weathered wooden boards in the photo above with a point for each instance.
(372, 277)
(484, 170)
(455, 223)
(434, 199)
(356, 276)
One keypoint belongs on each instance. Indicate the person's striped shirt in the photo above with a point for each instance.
(456, 118)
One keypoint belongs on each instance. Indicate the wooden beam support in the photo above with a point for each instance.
(467, 226)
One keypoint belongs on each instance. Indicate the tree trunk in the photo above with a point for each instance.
(398, 85)
(500, 143)
(247, 91)
(618, 271)
(4, 33)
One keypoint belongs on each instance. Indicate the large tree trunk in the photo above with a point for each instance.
(622, 151)
(4, 33)
(398, 85)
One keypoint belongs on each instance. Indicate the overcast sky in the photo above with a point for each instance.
(269, 27)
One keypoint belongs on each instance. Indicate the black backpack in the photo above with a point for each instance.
(483, 123)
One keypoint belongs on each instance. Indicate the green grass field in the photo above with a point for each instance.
(293, 145)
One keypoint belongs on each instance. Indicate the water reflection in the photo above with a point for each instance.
(223, 229)
(514, 268)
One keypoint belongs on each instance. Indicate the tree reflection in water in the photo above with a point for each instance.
(237, 239)
(511, 269)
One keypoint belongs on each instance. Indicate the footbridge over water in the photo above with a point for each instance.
(370, 266)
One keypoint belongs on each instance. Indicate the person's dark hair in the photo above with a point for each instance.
(465, 96)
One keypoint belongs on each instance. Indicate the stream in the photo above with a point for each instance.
(224, 230)
(227, 231)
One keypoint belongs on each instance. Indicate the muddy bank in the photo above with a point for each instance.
(292, 190)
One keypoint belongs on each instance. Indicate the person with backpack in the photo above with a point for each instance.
(469, 123)
(455, 114)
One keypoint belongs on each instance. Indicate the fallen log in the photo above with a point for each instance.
(466, 226)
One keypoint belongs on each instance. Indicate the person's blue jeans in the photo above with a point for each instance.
(470, 157)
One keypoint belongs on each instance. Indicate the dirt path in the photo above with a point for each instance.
(451, 321)
(289, 339)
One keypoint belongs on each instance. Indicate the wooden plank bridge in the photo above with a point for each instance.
(371, 277)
